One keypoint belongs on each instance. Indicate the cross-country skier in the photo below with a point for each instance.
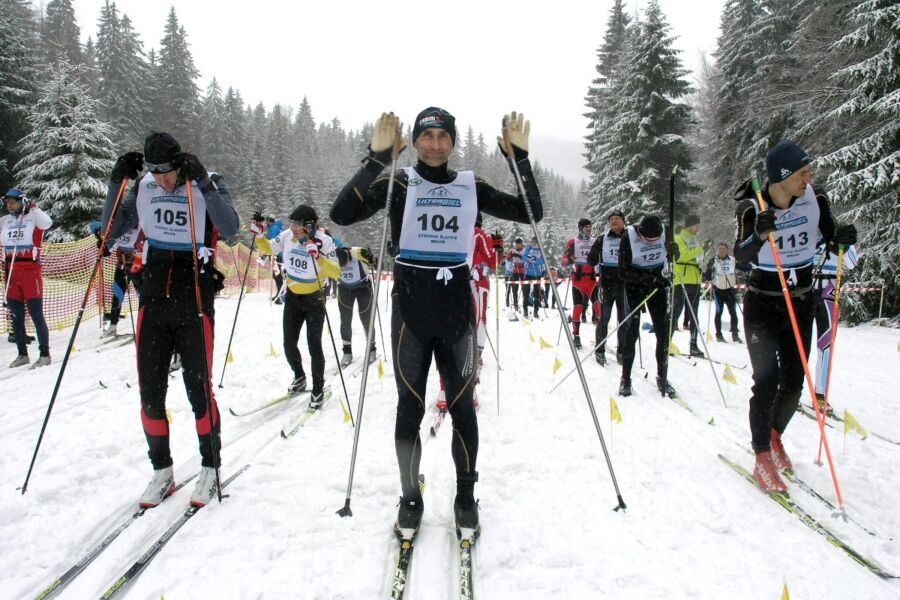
(825, 280)
(168, 319)
(432, 216)
(22, 235)
(605, 253)
(721, 270)
(515, 256)
(306, 266)
(642, 256)
(796, 212)
(584, 278)
(123, 275)
(688, 277)
(355, 286)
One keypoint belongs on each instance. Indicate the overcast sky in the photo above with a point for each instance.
(353, 60)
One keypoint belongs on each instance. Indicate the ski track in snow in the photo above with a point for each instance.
(693, 529)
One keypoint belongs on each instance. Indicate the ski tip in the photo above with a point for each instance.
(231, 410)
(283, 435)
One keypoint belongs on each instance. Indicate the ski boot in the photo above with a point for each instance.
(19, 361)
(736, 338)
(441, 401)
(600, 357)
(820, 400)
(766, 474)
(206, 487)
(298, 385)
(665, 387)
(779, 457)
(465, 512)
(577, 341)
(161, 486)
(625, 387)
(42, 361)
(720, 337)
(409, 517)
(346, 359)
(696, 351)
(316, 401)
(109, 332)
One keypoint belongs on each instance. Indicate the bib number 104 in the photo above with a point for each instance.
(438, 223)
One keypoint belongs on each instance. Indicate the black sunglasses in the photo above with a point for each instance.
(161, 168)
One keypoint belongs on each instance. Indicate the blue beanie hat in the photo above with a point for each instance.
(785, 159)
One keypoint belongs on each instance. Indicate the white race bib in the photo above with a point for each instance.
(644, 254)
(164, 217)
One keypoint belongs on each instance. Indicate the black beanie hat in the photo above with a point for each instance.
(616, 213)
(582, 222)
(785, 159)
(160, 148)
(305, 216)
(651, 227)
(434, 117)
(691, 220)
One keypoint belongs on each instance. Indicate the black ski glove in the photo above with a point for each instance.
(127, 166)
(192, 168)
(845, 234)
(343, 255)
(673, 251)
(765, 223)
(366, 256)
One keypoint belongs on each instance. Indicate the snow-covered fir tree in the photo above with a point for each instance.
(18, 81)
(60, 33)
(865, 182)
(178, 94)
(67, 156)
(213, 128)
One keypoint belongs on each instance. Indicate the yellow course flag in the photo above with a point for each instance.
(708, 336)
(728, 375)
(785, 594)
(673, 349)
(531, 335)
(545, 344)
(230, 358)
(614, 414)
(272, 349)
(169, 416)
(556, 365)
(344, 408)
(850, 423)
(380, 369)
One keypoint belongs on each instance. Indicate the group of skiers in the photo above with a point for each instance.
(442, 262)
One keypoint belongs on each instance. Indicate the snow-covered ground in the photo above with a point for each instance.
(693, 528)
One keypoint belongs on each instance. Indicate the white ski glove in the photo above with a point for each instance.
(514, 132)
(387, 135)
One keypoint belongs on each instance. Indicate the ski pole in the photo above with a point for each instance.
(569, 336)
(497, 322)
(687, 303)
(562, 323)
(835, 313)
(240, 299)
(798, 338)
(215, 438)
(331, 335)
(370, 330)
(608, 335)
(671, 277)
(65, 362)
(12, 262)
(130, 309)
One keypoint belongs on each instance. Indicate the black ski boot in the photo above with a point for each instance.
(696, 351)
(465, 508)
(736, 337)
(409, 517)
(665, 387)
(720, 337)
(577, 340)
(625, 387)
(600, 357)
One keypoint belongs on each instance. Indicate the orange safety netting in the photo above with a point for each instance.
(67, 268)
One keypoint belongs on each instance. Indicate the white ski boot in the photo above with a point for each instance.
(206, 487)
(160, 487)
(109, 333)
(20, 360)
(42, 361)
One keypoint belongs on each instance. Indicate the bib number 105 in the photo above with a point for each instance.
(438, 223)
(171, 217)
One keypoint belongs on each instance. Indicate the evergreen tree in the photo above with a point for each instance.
(649, 137)
(178, 93)
(67, 157)
(18, 81)
(123, 85)
(213, 129)
(89, 71)
(305, 142)
(865, 182)
(234, 148)
(60, 34)
(600, 101)
(279, 159)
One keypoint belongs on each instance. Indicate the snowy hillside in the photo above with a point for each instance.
(693, 527)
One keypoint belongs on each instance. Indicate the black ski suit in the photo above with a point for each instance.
(431, 317)
(168, 317)
(777, 369)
